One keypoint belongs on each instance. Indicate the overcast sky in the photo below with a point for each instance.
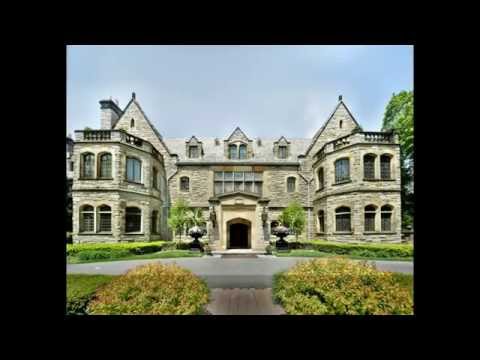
(268, 91)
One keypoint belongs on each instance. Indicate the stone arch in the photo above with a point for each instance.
(239, 234)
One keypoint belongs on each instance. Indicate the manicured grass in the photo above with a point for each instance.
(157, 255)
(80, 289)
(316, 253)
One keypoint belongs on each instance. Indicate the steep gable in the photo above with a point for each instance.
(238, 134)
(340, 123)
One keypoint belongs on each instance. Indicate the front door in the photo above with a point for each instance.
(238, 236)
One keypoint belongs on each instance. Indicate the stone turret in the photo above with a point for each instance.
(110, 113)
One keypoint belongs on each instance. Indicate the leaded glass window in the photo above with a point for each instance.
(369, 166)
(342, 219)
(88, 168)
(291, 184)
(370, 218)
(242, 151)
(385, 167)
(386, 216)
(106, 166)
(87, 219)
(105, 218)
(133, 219)
(342, 170)
(134, 170)
(232, 152)
(229, 181)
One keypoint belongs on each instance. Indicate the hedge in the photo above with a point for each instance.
(81, 289)
(337, 286)
(356, 249)
(135, 248)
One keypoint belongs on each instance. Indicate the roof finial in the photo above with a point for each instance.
(339, 97)
(133, 95)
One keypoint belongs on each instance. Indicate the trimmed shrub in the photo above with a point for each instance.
(152, 289)
(102, 254)
(135, 248)
(81, 289)
(338, 286)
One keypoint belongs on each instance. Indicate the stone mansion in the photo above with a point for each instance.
(126, 176)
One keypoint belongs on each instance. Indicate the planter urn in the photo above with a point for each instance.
(196, 232)
(281, 232)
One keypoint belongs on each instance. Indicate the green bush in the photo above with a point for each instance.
(135, 248)
(102, 254)
(338, 286)
(80, 290)
(152, 289)
(356, 249)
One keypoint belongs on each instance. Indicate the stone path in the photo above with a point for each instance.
(243, 302)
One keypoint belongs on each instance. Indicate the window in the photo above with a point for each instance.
(184, 183)
(232, 151)
(229, 181)
(106, 166)
(369, 166)
(155, 178)
(282, 152)
(242, 153)
(342, 170)
(370, 218)
(71, 165)
(133, 219)
(320, 179)
(341, 123)
(134, 170)
(342, 219)
(386, 213)
(385, 167)
(291, 184)
(321, 221)
(154, 221)
(193, 152)
(88, 166)
(105, 218)
(87, 221)
(132, 123)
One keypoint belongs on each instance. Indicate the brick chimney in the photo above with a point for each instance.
(110, 113)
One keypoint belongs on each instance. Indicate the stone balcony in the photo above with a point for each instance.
(105, 136)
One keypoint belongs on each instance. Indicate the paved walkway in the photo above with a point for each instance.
(223, 272)
(243, 302)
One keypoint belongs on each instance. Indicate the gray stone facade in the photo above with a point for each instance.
(129, 133)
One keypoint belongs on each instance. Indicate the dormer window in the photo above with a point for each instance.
(282, 152)
(193, 152)
(242, 151)
(193, 148)
(232, 152)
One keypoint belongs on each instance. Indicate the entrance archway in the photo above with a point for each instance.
(239, 234)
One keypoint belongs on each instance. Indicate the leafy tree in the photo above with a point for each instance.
(294, 217)
(178, 216)
(195, 217)
(399, 118)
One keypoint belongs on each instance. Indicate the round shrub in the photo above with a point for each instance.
(338, 286)
(152, 289)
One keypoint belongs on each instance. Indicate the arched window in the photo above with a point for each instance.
(242, 151)
(87, 219)
(321, 221)
(134, 170)
(132, 123)
(154, 221)
(370, 218)
(154, 178)
(133, 219)
(386, 213)
(232, 151)
(184, 183)
(320, 178)
(385, 172)
(88, 166)
(369, 166)
(105, 166)
(291, 184)
(342, 170)
(105, 218)
(342, 219)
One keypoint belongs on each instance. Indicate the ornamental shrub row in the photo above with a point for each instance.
(134, 248)
(337, 286)
(356, 249)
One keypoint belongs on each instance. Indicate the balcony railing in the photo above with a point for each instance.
(379, 137)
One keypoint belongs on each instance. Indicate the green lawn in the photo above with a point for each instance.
(167, 254)
(316, 253)
(80, 288)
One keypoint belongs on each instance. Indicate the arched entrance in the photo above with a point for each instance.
(239, 234)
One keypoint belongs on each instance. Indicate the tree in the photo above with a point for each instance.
(178, 216)
(294, 217)
(195, 218)
(399, 118)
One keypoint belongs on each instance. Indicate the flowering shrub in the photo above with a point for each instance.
(135, 248)
(153, 289)
(337, 286)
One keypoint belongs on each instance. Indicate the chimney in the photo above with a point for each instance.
(109, 114)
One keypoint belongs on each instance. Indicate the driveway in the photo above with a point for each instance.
(224, 272)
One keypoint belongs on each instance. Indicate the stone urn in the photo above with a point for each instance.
(281, 232)
(196, 232)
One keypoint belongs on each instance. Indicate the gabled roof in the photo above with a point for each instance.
(237, 133)
(193, 139)
(319, 132)
(282, 138)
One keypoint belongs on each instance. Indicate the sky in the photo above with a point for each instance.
(207, 91)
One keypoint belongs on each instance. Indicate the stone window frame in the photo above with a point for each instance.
(337, 213)
(319, 227)
(321, 184)
(154, 222)
(132, 123)
(387, 209)
(295, 184)
(283, 147)
(133, 157)
(155, 178)
(83, 155)
(345, 180)
(238, 144)
(140, 231)
(100, 212)
(390, 168)
(100, 155)
(375, 157)
(180, 184)
(190, 148)
(256, 181)
(81, 221)
(370, 209)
